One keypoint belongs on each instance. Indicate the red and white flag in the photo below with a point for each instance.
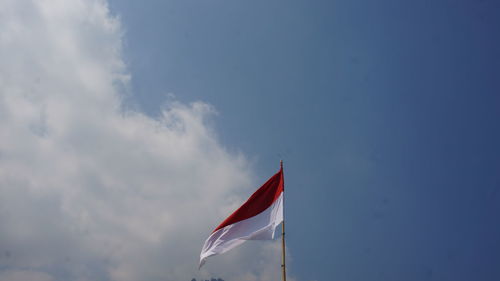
(256, 219)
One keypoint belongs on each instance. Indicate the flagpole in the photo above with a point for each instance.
(283, 266)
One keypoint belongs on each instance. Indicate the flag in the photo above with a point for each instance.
(256, 219)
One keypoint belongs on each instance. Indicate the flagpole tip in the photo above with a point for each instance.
(281, 164)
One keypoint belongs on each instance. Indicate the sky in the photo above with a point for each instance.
(129, 130)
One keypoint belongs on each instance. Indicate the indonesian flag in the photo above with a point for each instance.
(256, 219)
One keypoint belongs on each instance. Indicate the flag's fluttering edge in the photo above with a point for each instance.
(256, 219)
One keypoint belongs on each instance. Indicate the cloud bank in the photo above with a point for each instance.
(91, 190)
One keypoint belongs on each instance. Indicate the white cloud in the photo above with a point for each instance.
(90, 190)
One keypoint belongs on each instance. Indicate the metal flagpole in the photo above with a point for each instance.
(283, 266)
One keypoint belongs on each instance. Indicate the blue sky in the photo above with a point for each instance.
(130, 129)
(385, 113)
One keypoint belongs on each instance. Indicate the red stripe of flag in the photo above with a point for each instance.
(262, 199)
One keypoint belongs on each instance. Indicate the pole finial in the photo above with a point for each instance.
(281, 164)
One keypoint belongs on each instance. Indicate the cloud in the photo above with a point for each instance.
(9, 275)
(90, 189)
